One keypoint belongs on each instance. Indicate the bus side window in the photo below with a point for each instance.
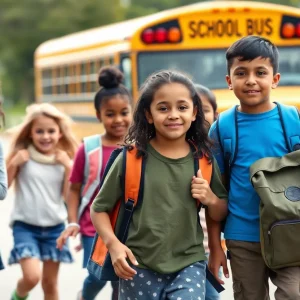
(126, 69)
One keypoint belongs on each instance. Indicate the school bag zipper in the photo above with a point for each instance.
(280, 223)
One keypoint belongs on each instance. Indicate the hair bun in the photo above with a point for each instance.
(110, 77)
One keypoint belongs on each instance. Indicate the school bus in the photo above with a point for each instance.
(192, 39)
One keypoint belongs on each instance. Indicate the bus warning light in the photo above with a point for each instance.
(174, 35)
(148, 36)
(161, 35)
(298, 30)
(288, 30)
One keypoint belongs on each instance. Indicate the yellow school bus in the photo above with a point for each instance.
(192, 39)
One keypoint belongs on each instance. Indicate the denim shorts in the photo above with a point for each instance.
(38, 242)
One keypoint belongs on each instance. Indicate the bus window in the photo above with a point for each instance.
(93, 67)
(111, 61)
(83, 87)
(66, 71)
(207, 67)
(83, 69)
(126, 69)
(47, 90)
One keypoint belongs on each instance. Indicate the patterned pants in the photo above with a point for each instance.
(187, 284)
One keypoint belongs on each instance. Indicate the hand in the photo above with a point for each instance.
(119, 254)
(201, 190)
(78, 247)
(63, 158)
(62, 239)
(21, 158)
(217, 259)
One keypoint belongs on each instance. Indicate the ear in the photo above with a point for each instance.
(148, 117)
(228, 79)
(195, 111)
(98, 115)
(275, 81)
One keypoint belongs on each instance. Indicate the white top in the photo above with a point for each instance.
(38, 198)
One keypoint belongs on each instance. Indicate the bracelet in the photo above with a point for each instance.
(73, 224)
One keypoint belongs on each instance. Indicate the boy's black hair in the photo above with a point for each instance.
(110, 80)
(251, 47)
(141, 132)
(203, 90)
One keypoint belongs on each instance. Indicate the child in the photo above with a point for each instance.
(40, 163)
(252, 64)
(165, 241)
(3, 175)
(209, 106)
(113, 110)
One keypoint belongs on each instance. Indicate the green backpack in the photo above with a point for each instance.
(277, 182)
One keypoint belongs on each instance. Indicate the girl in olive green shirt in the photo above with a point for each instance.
(164, 255)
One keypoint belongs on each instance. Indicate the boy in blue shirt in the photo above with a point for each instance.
(252, 65)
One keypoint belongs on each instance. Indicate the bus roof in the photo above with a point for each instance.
(119, 32)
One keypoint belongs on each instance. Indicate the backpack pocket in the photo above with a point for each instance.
(285, 244)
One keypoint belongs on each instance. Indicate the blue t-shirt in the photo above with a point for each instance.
(260, 135)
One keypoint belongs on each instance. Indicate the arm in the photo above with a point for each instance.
(3, 175)
(217, 257)
(13, 165)
(66, 182)
(104, 204)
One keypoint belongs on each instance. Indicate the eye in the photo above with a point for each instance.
(125, 113)
(163, 108)
(109, 115)
(183, 107)
(39, 131)
(240, 73)
(52, 131)
(261, 73)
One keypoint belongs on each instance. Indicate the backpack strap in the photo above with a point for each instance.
(91, 143)
(133, 188)
(290, 122)
(92, 169)
(227, 132)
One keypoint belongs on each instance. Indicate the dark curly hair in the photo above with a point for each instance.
(141, 132)
(110, 80)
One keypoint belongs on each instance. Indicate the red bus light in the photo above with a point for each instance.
(148, 36)
(298, 30)
(288, 30)
(161, 35)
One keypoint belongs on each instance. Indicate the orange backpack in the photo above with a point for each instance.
(100, 264)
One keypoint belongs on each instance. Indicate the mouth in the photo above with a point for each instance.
(252, 92)
(45, 144)
(119, 127)
(174, 125)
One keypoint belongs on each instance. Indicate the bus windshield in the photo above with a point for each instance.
(208, 67)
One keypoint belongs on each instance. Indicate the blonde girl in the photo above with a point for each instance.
(39, 162)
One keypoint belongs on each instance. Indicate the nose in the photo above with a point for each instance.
(118, 119)
(173, 115)
(251, 79)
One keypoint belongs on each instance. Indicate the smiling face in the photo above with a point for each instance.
(252, 82)
(45, 134)
(171, 111)
(116, 116)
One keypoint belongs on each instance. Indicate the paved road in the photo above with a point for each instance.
(70, 277)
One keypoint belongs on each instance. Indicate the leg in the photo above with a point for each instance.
(31, 276)
(249, 272)
(49, 280)
(287, 281)
(146, 285)
(189, 283)
(91, 285)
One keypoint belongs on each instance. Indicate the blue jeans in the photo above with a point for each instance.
(211, 293)
(38, 242)
(91, 285)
